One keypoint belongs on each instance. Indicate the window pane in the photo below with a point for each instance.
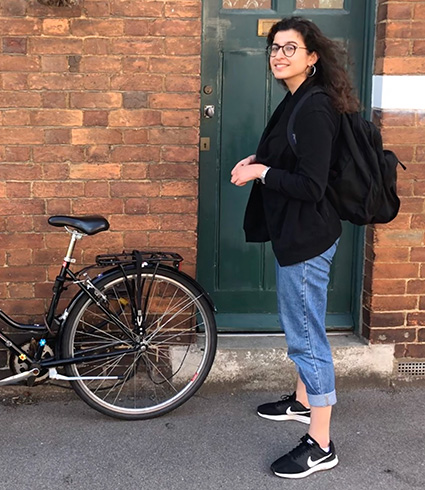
(320, 4)
(247, 4)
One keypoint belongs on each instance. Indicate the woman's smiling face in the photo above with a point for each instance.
(292, 70)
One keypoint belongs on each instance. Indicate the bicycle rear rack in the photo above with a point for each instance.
(148, 257)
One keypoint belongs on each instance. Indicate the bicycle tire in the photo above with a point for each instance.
(180, 341)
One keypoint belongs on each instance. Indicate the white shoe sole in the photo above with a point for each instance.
(281, 418)
(319, 467)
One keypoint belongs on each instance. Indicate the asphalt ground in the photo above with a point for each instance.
(53, 440)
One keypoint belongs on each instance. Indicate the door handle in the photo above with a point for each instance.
(209, 111)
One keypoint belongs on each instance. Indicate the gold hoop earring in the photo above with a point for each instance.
(313, 71)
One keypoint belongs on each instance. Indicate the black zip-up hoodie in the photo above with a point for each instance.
(291, 209)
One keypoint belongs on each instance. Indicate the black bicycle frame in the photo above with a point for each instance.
(118, 260)
(65, 275)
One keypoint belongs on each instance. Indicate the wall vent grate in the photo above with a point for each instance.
(412, 368)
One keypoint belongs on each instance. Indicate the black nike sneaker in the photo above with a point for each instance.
(307, 458)
(287, 408)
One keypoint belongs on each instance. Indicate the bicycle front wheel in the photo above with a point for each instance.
(171, 351)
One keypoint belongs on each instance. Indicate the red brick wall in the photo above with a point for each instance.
(99, 113)
(394, 296)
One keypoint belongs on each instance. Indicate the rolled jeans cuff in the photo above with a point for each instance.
(325, 400)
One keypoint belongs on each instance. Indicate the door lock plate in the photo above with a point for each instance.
(205, 144)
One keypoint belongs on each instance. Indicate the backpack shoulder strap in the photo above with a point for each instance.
(291, 123)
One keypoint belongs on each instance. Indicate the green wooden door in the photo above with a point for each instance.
(236, 81)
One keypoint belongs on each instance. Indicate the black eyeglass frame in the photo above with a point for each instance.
(278, 46)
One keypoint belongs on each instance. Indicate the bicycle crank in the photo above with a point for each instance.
(18, 364)
(17, 378)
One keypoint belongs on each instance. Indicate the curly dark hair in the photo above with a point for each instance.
(331, 73)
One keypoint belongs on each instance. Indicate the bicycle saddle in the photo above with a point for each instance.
(90, 225)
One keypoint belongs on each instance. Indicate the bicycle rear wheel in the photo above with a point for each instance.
(171, 357)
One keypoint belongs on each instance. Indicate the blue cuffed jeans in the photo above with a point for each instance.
(302, 298)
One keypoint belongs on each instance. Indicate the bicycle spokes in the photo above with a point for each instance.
(171, 349)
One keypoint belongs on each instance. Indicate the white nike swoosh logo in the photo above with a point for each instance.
(290, 412)
(312, 463)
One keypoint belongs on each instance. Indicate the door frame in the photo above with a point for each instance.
(208, 191)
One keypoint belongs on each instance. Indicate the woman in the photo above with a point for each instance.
(288, 207)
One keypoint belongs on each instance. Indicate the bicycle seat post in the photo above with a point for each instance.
(75, 235)
(61, 277)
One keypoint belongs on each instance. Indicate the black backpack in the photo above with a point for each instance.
(362, 181)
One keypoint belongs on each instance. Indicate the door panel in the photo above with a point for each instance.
(236, 80)
(240, 111)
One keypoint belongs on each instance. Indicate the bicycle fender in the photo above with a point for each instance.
(112, 271)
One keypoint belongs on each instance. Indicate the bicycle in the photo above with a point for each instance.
(135, 342)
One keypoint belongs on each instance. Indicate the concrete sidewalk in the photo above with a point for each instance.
(52, 440)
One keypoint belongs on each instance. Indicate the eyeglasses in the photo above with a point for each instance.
(288, 49)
